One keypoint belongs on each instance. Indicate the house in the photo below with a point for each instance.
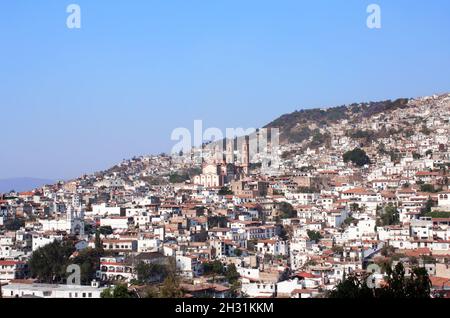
(115, 268)
(287, 287)
(31, 289)
(273, 247)
(305, 293)
(116, 245)
(444, 201)
(148, 243)
(206, 290)
(188, 265)
(259, 289)
(115, 222)
(10, 270)
(40, 240)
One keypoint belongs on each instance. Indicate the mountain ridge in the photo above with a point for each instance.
(295, 127)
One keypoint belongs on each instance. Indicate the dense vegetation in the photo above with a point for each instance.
(388, 216)
(217, 268)
(49, 263)
(356, 156)
(14, 224)
(314, 236)
(225, 191)
(217, 221)
(118, 291)
(398, 285)
(286, 211)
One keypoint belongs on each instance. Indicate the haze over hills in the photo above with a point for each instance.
(22, 184)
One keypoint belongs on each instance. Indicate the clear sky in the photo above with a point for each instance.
(77, 101)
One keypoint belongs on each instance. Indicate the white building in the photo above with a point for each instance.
(10, 270)
(444, 200)
(115, 222)
(51, 291)
(103, 209)
(40, 240)
(73, 223)
(273, 247)
(254, 290)
(188, 265)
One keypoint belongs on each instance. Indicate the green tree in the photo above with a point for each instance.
(106, 230)
(151, 292)
(119, 291)
(225, 191)
(89, 262)
(171, 287)
(98, 243)
(314, 235)
(283, 233)
(306, 190)
(352, 288)
(235, 289)
(178, 177)
(417, 285)
(148, 272)
(354, 207)
(337, 249)
(251, 245)
(429, 188)
(143, 272)
(427, 208)
(49, 263)
(215, 267)
(232, 274)
(357, 156)
(438, 214)
(398, 285)
(217, 221)
(286, 210)
(14, 224)
(89, 229)
(390, 215)
(349, 220)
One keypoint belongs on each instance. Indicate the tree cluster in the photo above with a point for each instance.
(398, 285)
(356, 156)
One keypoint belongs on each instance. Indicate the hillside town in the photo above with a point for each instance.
(292, 222)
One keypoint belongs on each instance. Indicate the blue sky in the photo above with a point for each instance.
(77, 101)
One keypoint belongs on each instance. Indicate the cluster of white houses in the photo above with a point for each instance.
(294, 232)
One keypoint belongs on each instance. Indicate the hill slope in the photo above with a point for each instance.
(301, 125)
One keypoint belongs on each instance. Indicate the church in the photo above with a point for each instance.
(72, 224)
(220, 169)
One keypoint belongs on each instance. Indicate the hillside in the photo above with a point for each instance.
(301, 125)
